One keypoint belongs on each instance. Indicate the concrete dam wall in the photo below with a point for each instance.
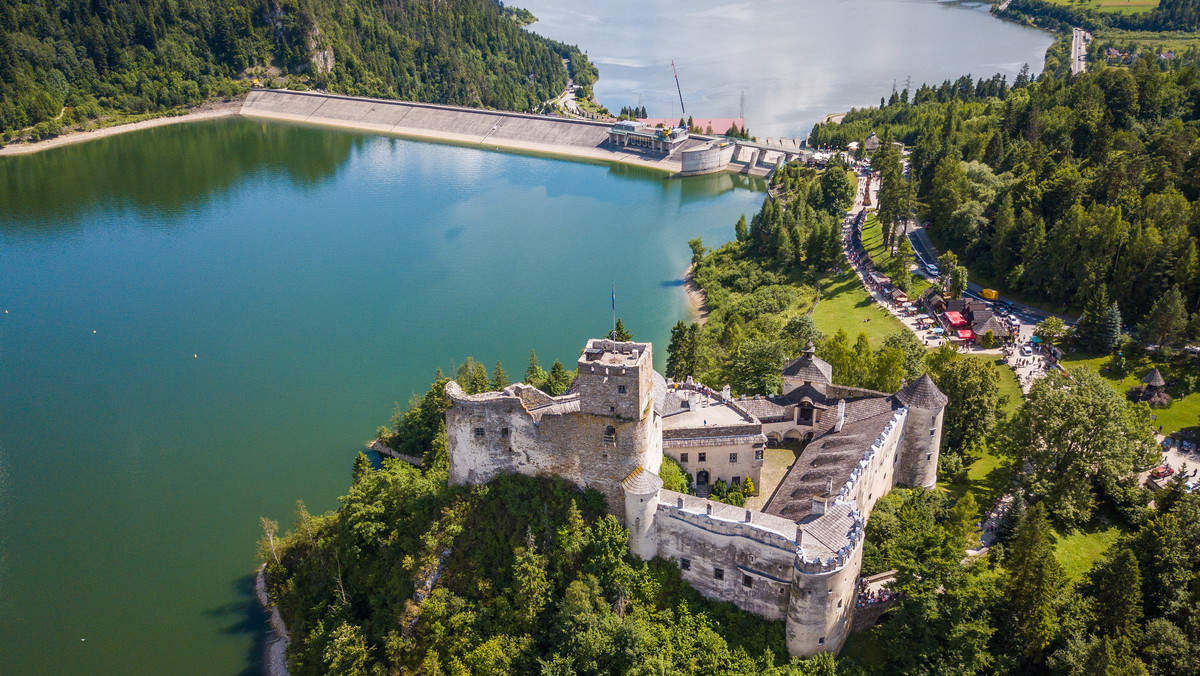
(581, 139)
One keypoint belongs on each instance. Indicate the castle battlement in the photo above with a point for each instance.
(798, 558)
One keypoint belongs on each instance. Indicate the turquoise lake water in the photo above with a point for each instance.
(205, 322)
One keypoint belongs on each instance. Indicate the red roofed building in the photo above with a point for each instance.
(719, 125)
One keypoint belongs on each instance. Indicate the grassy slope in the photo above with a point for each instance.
(1122, 6)
(1077, 551)
(872, 237)
(1182, 413)
(845, 304)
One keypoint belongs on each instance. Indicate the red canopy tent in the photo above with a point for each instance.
(955, 319)
(966, 334)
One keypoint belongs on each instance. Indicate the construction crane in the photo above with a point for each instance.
(678, 88)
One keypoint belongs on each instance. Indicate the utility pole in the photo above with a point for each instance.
(742, 107)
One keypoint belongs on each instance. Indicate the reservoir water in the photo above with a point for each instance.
(793, 61)
(201, 324)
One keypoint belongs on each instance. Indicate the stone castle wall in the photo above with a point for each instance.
(743, 545)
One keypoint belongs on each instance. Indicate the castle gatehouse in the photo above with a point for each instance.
(798, 558)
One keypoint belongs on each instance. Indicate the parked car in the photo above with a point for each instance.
(1161, 472)
(1026, 350)
(932, 269)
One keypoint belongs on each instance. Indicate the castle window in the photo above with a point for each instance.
(933, 431)
(683, 457)
(718, 573)
(821, 641)
(701, 457)
(620, 389)
(758, 455)
(737, 481)
(732, 458)
(478, 432)
(929, 456)
(685, 564)
(747, 582)
(839, 603)
(610, 435)
(504, 432)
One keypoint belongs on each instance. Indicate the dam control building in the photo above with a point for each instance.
(798, 558)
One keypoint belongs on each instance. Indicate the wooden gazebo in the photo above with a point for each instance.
(1154, 380)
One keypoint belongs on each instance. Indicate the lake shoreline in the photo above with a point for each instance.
(278, 637)
(696, 295)
(206, 111)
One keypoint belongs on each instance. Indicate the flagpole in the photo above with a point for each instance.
(614, 310)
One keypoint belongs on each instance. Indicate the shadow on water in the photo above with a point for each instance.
(245, 617)
(671, 283)
(162, 171)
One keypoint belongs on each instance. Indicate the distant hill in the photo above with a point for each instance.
(83, 59)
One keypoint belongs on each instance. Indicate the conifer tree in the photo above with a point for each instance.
(619, 333)
(534, 375)
(1115, 587)
(558, 380)
(1166, 322)
(741, 230)
(499, 377)
(1032, 583)
(362, 466)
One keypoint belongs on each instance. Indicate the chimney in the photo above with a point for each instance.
(818, 506)
(799, 537)
(708, 509)
(747, 516)
(680, 503)
(841, 419)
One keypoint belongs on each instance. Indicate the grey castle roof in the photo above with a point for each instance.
(1154, 379)
(642, 481)
(922, 394)
(811, 369)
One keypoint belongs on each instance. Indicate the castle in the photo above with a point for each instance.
(797, 559)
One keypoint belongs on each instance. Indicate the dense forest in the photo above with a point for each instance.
(1054, 189)
(67, 62)
(1169, 15)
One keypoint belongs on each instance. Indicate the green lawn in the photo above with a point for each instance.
(1077, 551)
(1121, 6)
(872, 238)
(845, 304)
(1182, 413)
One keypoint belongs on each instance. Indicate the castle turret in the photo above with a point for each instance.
(922, 433)
(641, 503)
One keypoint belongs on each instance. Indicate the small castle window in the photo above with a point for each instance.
(683, 457)
(504, 432)
(839, 603)
(933, 431)
(747, 582)
(758, 455)
(685, 564)
(610, 434)
(821, 641)
(737, 481)
(620, 389)
(718, 573)
(733, 458)
(701, 457)
(478, 432)
(929, 456)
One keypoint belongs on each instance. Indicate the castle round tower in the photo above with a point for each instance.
(641, 503)
(922, 433)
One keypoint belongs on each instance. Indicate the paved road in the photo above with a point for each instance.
(1079, 40)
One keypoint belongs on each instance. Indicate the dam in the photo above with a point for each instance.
(685, 155)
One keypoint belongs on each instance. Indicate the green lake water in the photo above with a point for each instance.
(317, 276)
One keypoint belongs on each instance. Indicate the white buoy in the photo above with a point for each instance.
(195, 356)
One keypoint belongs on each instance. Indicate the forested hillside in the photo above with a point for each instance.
(1170, 15)
(87, 59)
(1058, 188)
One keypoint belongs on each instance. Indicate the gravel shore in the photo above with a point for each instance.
(206, 111)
